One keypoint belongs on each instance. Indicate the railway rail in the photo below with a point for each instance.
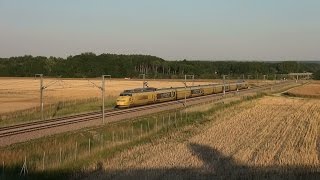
(67, 120)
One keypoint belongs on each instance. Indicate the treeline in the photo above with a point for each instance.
(91, 65)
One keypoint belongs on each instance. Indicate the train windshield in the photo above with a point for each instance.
(125, 94)
(128, 91)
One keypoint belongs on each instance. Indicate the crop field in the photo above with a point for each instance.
(243, 136)
(308, 90)
(65, 153)
(20, 97)
(274, 137)
(23, 93)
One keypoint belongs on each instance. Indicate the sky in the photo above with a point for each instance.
(170, 29)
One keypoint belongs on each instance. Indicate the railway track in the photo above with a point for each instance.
(62, 121)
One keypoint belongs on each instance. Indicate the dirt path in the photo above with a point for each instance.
(272, 137)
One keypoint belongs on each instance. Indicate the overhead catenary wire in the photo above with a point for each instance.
(42, 88)
(13, 83)
(94, 85)
(102, 89)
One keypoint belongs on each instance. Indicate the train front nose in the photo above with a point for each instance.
(123, 101)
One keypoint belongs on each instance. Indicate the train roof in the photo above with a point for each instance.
(139, 90)
(152, 89)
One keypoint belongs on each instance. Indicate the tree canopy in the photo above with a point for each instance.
(92, 65)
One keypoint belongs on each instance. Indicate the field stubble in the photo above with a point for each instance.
(311, 89)
(269, 134)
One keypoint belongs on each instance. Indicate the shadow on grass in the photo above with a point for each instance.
(215, 166)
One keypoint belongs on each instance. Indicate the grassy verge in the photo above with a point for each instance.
(59, 109)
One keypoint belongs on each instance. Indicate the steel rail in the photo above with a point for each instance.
(52, 120)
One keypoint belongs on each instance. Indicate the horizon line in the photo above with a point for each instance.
(178, 59)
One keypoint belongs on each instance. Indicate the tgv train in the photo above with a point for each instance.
(144, 96)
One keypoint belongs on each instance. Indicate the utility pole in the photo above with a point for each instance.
(224, 84)
(192, 80)
(144, 77)
(41, 93)
(42, 88)
(185, 87)
(185, 90)
(103, 90)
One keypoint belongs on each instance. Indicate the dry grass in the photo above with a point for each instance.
(274, 133)
(312, 90)
(268, 132)
(71, 150)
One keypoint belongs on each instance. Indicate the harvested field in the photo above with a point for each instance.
(308, 90)
(271, 137)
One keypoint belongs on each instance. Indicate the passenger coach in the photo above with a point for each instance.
(145, 96)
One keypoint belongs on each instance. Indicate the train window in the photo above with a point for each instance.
(125, 94)
(195, 91)
(128, 91)
(164, 95)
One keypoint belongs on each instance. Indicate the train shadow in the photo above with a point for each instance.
(215, 166)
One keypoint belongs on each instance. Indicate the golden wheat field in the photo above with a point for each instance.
(312, 89)
(276, 134)
(23, 93)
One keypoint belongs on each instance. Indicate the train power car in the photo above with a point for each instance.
(145, 96)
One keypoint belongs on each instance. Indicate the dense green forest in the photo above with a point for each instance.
(91, 65)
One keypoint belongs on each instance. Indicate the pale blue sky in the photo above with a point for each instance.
(171, 29)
